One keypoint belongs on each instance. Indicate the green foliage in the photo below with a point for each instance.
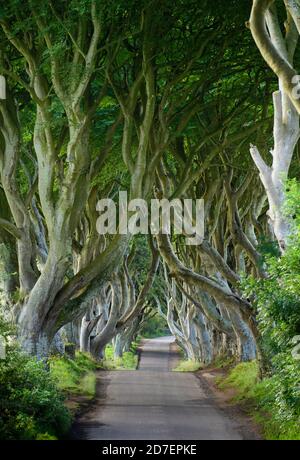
(75, 376)
(128, 361)
(30, 403)
(277, 420)
(45, 437)
(277, 300)
(155, 326)
(141, 259)
(188, 366)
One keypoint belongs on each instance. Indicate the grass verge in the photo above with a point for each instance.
(261, 400)
(75, 376)
(128, 361)
(187, 365)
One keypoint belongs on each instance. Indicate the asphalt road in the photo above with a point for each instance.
(154, 403)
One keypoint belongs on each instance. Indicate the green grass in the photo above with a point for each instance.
(88, 384)
(262, 400)
(45, 437)
(242, 377)
(188, 366)
(128, 361)
(75, 376)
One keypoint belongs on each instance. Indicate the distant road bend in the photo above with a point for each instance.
(154, 403)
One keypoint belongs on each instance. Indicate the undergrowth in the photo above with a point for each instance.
(75, 376)
(128, 361)
(261, 397)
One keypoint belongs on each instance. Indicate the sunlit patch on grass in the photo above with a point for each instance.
(188, 366)
(128, 361)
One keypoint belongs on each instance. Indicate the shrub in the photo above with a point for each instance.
(30, 403)
(277, 300)
(278, 419)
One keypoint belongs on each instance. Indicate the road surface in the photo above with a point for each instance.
(154, 403)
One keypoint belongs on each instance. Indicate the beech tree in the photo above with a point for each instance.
(61, 143)
(278, 49)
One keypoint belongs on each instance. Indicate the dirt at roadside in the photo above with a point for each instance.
(174, 356)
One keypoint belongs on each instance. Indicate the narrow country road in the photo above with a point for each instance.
(154, 403)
